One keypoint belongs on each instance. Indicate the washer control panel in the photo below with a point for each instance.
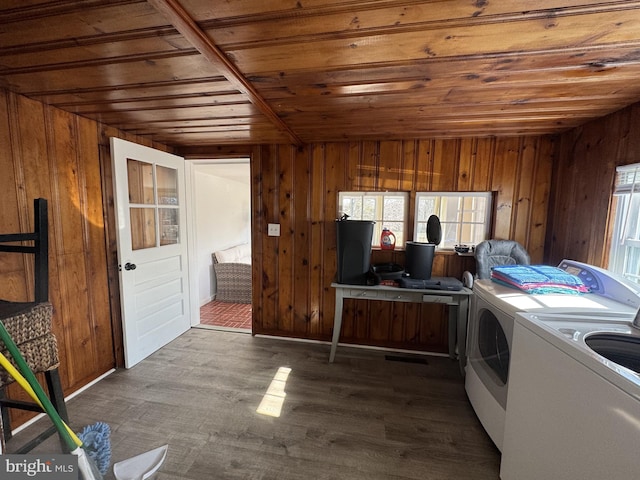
(603, 282)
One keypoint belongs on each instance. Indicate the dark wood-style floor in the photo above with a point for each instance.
(364, 417)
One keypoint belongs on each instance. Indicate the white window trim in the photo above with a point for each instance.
(379, 223)
(487, 220)
(627, 189)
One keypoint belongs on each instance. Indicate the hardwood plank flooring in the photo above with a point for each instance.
(363, 417)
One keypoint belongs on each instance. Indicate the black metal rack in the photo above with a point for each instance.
(40, 249)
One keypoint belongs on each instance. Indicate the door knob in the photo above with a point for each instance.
(129, 266)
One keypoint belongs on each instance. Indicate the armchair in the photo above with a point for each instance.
(232, 268)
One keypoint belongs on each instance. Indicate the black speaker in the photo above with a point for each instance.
(354, 250)
(434, 230)
(419, 259)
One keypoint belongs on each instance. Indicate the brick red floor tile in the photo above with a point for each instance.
(230, 315)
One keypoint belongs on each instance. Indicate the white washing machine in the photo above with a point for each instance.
(572, 413)
(490, 332)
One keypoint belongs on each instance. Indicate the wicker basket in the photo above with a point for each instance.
(29, 325)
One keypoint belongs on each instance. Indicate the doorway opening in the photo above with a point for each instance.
(222, 199)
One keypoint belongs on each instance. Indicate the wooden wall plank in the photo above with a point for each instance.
(257, 234)
(466, 163)
(285, 243)
(110, 234)
(91, 196)
(524, 191)
(351, 164)
(601, 186)
(409, 168)
(32, 173)
(546, 152)
(65, 219)
(380, 319)
(505, 170)
(78, 339)
(340, 164)
(483, 157)
(445, 166)
(424, 166)
(411, 325)
(12, 267)
(368, 168)
(63, 137)
(396, 323)
(28, 124)
(316, 252)
(301, 245)
(390, 166)
(432, 334)
(269, 186)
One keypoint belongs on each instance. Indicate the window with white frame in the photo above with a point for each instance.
(624, 257)
(465, 217)
(387, 209)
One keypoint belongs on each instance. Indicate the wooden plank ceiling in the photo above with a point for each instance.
(202, 72)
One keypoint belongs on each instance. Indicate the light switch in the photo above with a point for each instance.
(273, 230)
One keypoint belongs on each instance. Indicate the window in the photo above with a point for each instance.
(624, 257)
(464, 217)
(387, 209)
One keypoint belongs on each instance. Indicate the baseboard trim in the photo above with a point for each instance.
(66, 399)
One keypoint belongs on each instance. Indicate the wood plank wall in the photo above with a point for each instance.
(580, 217)
(45, 152)
(298, 188)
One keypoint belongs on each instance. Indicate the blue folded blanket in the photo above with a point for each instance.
(538, 279)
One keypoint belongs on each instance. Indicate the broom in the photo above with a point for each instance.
(96, 434)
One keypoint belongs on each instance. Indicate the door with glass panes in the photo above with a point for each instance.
(152, 247)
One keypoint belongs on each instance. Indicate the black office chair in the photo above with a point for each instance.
(491, 253)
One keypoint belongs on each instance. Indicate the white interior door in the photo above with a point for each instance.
(152, 247)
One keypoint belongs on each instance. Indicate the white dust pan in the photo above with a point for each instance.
(141, 466)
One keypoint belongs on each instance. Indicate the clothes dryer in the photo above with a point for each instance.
(490, 333)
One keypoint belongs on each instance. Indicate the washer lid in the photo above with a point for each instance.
(568, 335)
(512, 300)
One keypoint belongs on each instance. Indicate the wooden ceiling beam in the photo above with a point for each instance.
(175, 13)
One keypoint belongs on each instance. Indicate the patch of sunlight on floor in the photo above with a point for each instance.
(273, 399)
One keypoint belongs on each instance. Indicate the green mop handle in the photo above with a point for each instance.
(33, 381)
